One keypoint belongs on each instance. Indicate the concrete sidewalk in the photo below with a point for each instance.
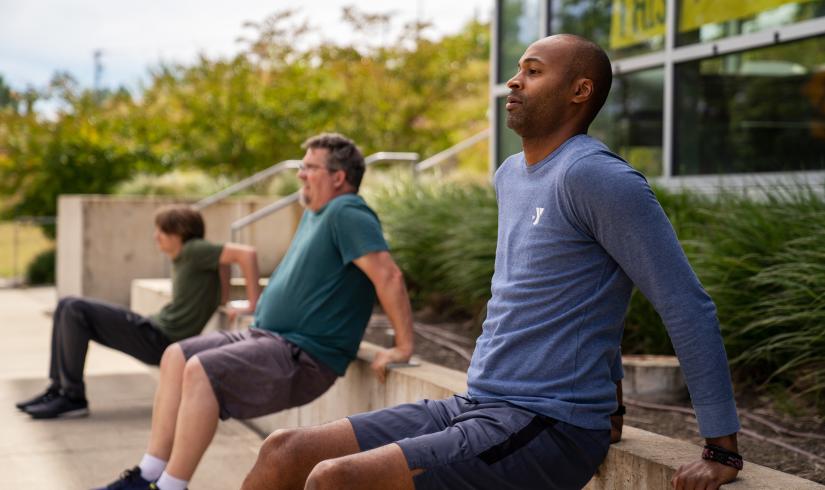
(81, 453)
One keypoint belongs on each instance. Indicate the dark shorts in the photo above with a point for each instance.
(463, 444)
(255, 372)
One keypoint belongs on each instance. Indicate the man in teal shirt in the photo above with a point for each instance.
(308, 324)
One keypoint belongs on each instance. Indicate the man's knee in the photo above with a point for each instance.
(172, 358)
(277, 459)
(69, 304)
(279, 447)
(196, 382)
(193, 371)
(331, 473)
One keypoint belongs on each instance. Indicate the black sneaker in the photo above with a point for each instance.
(59, 406)
(43, 397)
(129, 480)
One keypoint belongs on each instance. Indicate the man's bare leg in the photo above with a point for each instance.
(287, 456)
(377, 469)
(167, 401)
(196, 423)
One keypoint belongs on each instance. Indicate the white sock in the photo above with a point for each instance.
(151, 467)
(167, 482)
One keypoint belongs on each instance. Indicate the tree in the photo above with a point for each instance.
(232, 116)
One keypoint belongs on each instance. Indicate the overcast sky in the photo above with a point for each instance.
(39, 37)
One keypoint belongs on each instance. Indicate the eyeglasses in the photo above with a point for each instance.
(311, 167)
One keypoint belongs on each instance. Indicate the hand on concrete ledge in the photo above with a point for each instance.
(707, 474)
(385, 357)
(236, 309)
(703, 474)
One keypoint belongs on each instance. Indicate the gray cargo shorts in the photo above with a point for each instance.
(461, 443)
(256, 372)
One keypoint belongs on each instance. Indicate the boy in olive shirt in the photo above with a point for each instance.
(198, 286)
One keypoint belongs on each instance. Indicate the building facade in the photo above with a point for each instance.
(705, 92)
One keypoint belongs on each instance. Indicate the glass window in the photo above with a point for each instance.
(630, 123)
(756, 111)
(707, 20)
(508, 141)
(622, 27)
(519, 25)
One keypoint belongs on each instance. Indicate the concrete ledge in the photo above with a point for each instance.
(643, 460)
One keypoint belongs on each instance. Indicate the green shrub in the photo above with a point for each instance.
(189, 183)
(41, 269)
(443, 236)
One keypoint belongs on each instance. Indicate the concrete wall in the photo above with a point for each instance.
(641, 461)
(104, 242)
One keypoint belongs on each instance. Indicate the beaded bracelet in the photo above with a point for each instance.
(723, 456)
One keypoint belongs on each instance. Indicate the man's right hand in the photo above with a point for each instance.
(384, 357)
(703, 474)
(707, 474)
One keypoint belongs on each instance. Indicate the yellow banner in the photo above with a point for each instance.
(636, 21)
(696, 13)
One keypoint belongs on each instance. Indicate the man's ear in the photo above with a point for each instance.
(339, 178)
(583, 90)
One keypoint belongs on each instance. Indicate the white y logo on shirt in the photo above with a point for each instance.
(537, 216)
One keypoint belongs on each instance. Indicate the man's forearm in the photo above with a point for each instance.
(728, 442)
(396, 304)
(224, 273)
(249, 269)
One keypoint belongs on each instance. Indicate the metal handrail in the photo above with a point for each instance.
(381, 156)
(391, 156)
(450, 152)
(293, 164)
(261, 213)
(247, 182)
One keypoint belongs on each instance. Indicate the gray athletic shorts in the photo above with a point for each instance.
(463, 444)
(256, 372)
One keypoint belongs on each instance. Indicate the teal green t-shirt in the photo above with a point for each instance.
(317, 298)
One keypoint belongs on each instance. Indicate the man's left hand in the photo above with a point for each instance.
(384, 357)
(235, 309)
(703, 475)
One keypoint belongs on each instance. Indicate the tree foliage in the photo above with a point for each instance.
(232, 116)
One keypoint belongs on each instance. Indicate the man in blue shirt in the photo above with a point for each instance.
(578, 227)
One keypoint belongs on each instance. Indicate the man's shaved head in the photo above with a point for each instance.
(586, 60)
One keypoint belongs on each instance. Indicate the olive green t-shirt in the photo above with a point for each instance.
(196, 290)
(317, 298)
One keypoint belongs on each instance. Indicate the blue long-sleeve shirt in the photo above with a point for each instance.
(576, 231)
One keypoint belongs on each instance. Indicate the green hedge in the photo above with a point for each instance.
(762, 260)
(41, 269)
(443, 236)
